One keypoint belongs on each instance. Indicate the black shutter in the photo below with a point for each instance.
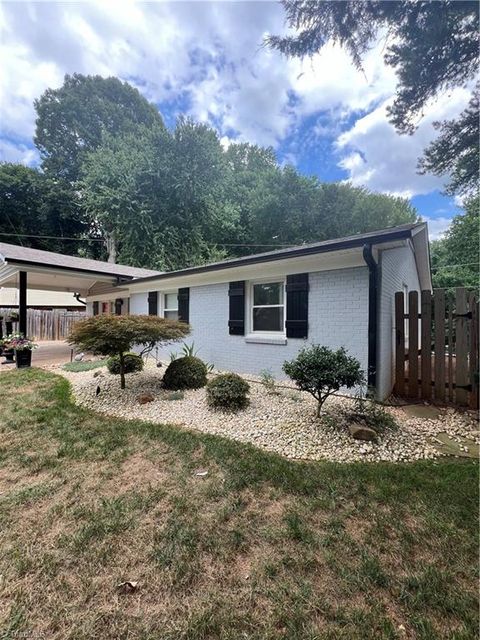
(118, 306)
(95, 308)
(236, 319)
(184, 304)
(153, 303)
(297, 306)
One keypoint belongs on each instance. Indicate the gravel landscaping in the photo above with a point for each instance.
(283, 422)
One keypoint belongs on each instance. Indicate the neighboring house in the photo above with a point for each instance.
(253, 313)
(9, 298)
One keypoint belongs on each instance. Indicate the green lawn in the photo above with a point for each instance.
(260, 548)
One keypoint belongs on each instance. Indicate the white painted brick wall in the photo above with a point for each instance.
(138, 304)
(338, 316)
(397, 268)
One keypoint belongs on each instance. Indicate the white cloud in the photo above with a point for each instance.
(376, 156)
(208, 58)
(10, 152)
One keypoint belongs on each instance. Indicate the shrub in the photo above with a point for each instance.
(228, 392)
(268, 381)
(322, 371)
(374, 415)
(115, 335)
(132, 362)
(188, 372)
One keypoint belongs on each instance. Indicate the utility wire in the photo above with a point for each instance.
(26, 235)
(220, 244)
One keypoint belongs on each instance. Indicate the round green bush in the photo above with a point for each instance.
(229, 392)
(133, 362)
(188, 372)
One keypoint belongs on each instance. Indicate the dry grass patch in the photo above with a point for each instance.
(260, 547)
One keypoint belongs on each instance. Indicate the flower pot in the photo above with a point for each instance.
(23, 358)
(8, 355)
(8, 327)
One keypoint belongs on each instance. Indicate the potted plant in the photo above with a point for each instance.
(7, 350)
(23, 348)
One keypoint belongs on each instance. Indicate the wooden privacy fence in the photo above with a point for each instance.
(437, 346)
(47, 324)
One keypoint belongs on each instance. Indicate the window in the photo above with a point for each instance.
(268, 306)
(170, 306)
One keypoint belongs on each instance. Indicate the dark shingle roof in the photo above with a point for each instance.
(337, 244)
(13, 253)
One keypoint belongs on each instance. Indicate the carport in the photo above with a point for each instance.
(28, 268)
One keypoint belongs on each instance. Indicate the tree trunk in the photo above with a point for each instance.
(111, 242)
(319, 408)
(122, 371)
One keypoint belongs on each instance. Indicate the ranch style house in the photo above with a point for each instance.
(252, 313)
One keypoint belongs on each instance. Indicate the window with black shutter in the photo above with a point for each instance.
(153, 303)
(95, 308)
(118, 306)
(184, 304)
(236, 316)
(296, 323)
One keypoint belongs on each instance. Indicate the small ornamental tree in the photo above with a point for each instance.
(116, 335)
(322, 371)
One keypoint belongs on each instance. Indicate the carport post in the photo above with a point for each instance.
(22, 303)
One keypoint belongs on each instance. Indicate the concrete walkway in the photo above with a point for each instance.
(49, 353)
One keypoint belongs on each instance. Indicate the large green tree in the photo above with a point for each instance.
(455, 258)
(33, 203)
(72, 119)
(159, 198)
(117, 181)
(433, 47)
(455, 150)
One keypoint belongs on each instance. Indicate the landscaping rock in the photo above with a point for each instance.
(361, 432)
(278, 423)
(145, 398)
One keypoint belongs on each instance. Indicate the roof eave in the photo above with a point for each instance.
(351, 243)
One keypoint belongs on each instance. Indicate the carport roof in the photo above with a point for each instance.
(15, 255)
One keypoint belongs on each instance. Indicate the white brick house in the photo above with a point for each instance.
(253, 313)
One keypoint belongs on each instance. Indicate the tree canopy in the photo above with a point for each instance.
(455, 259)
(168, 199)
(116, 335)
(72, 119)
(455, 151)
(433, 47)
(172, 200)
(28, 195)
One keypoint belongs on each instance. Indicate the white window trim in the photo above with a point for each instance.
(267, 337)
(163, 299)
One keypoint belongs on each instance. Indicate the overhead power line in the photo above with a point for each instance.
(219, 244)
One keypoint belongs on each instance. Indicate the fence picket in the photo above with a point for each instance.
(426, 347)
(451, 351)
(413, 344)
(473, 360)
(439, 316)
(461, 364)
(399, 343)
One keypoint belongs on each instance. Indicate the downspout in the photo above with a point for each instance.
(372, 316)
(77, 298)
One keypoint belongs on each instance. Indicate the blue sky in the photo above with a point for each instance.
(206, 60)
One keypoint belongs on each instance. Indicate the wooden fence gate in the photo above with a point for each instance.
(437, 346)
